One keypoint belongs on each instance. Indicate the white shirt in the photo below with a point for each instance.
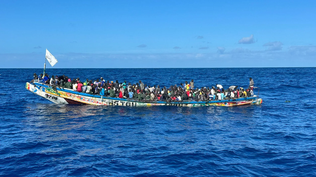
(213, 92)
(74, 86)
(219, 96)
(88, 88)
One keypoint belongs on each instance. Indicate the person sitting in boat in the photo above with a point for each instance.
(248, 92)
(159, 97)
(112, 92)
(228, 94)
(147, 96)
(135, 96)
(46, 79)
(152, 96)
(184, 96)
(35, 78)
(130, 94)
(219, 96)
(89, 87)
(52, 81)
(79, 86)
(40, 77)
(68, 84)
(120, 94)
(251, 92)
(179, 98)
(232, 94)
(74, 85)
(97, 89)
(141, 95)
(124, 84)
(84, 87)
(244, 93)
(93, 86)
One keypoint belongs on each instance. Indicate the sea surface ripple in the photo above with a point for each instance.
(278, 138)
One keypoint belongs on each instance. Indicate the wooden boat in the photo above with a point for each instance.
(68, 96)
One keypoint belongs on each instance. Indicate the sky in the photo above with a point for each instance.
(158, 33)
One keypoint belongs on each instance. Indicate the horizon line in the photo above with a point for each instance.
(176, 68)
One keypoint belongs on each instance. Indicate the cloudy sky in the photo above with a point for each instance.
(158, 33)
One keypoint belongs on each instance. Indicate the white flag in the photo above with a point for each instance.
(50, 58)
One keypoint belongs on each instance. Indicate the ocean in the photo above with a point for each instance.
(277, 138)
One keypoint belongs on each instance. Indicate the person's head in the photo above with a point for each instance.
(192, 80)
(250, 78)
(140, 81)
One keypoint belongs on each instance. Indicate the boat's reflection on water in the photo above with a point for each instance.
(76, 116)
(68, 122)
(78, 111)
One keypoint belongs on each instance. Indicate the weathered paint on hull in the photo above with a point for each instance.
(66, 96)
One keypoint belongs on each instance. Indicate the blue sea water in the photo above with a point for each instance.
(278, 138)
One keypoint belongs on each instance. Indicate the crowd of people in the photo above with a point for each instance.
(142, 92)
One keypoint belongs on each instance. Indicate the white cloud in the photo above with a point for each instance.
(240, 50)
(246, 40)
(142, 46)
(273, 46)
(303, 50)
(220, 50)
(199, 37)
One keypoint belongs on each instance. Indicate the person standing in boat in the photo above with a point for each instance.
(141, 84)
(251, 83)
(192, 84)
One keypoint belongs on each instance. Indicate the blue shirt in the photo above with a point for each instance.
(102, 92)
(130, 94)
(45, 79)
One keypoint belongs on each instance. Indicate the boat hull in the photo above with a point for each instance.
(67, 96)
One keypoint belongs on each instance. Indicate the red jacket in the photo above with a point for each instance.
(79, 87)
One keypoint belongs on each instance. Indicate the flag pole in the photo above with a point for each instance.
(44, 67)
